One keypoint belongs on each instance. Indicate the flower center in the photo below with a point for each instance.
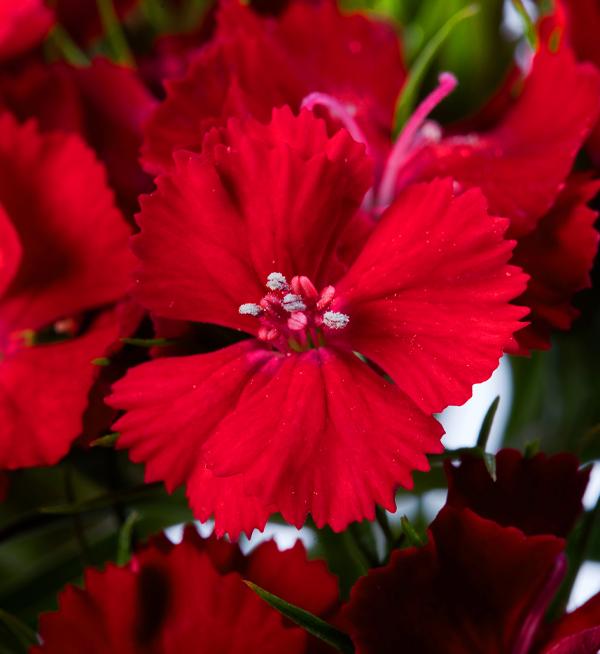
(295, 316)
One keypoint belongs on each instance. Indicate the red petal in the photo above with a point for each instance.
(172, 406)
(187, 416)
(10, 251)
(23, 25)
(584, 642)
(558, 255)
(428, 297)
(539, 495)
(574, 629)
(468, 590)
(321, 410)
(44, 392)
(521, 164)
(260, 203)
(74, 242)
(171, 599)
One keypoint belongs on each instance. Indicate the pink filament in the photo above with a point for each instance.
(535, 615)
(404, 143)
(337, 110)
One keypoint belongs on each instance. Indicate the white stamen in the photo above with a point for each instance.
(335, 319)
(250, 309)
(277, 282)
(293, 302)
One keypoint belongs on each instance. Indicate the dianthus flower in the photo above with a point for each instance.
(493, 563)
(263, 233)
(189, 597)
(23, 25)
(64, 256)
(316, 57)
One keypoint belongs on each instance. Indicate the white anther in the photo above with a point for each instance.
(293, 302)
(277, 282)
(335, 319)
(250, 309)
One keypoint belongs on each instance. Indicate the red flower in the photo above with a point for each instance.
(188, 597)
(105, 103)
(23, 25)
(292, 420)
(520, 162)
(539, 495)
(475, 588)
(484, 580)
(64, 253)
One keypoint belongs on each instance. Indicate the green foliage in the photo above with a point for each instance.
(311, 623)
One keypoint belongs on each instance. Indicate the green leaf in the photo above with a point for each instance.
(486, 425)
(529, 27)
(125, 536)
(59, 39)
(23, 634)
(101, 361)
(408, 96)
(113, 32)
(106, 441)
(412, 535)
(309, 622)
(148, 342)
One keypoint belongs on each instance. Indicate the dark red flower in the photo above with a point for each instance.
(475, 588)
(254, 64)
(23, 25)
(539, 494)
(105, 103)
(188, 597)
(426, 299)
(64, 254)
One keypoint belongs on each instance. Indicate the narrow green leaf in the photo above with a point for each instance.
(416, 75)
(309, 622)
(148, 342)
(105, 441)
(528, 25)
(490, 464)
(23, 634)
(101, 361)
(59, 39)
(113, 31)
(125, 536)
(486, 425)
(412, 536)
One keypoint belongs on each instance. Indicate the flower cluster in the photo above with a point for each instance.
(241, 246)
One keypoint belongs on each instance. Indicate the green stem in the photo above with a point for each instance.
(59, 39)
(114, 34)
